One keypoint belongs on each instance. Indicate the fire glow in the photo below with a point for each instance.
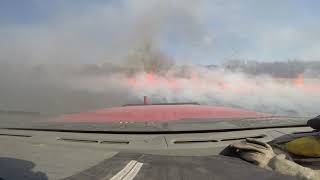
(297, 96)
(195, 82)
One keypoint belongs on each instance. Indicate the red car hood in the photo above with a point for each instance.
(160, 113)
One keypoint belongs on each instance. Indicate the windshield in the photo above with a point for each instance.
(73, 65)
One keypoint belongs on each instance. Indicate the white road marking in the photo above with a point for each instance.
(129, 171)
(135, 170)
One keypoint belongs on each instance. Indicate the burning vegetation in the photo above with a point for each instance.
(69, 88)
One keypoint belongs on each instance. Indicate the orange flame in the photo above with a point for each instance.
(299, 81)
(150, 80)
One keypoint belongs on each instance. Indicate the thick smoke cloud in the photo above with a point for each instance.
(64, 89)
(113, 55)
(103, 32)
(222, 87)
(47, 66)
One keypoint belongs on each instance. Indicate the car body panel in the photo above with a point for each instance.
(160, 113)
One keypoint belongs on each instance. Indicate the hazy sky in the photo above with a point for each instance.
(203, 31)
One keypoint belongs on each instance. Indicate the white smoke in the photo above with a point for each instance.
(233, 89)
(104, 32)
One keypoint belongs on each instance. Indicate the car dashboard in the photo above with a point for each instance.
(58, 155)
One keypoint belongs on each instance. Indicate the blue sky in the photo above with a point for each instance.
(199, 32)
